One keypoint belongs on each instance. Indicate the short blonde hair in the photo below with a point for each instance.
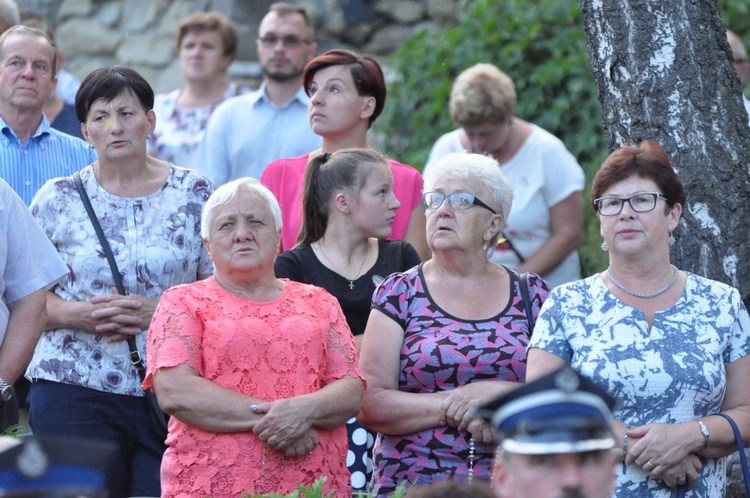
(482, 95)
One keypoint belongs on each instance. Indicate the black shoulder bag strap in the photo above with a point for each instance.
(135, 356)
(512, 246)
(157, 417)
(523, 284)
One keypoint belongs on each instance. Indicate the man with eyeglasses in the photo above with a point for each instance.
(741, 64)
(247, 132)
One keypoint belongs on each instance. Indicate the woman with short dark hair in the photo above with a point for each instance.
(347, 93)
(83, 382)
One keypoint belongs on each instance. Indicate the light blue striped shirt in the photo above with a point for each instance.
(47, 154)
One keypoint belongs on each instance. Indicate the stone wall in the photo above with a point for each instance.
(141, 33)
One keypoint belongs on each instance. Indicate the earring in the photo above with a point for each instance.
(605, 247)
(148, 136)
(670, 239)
(91, 145)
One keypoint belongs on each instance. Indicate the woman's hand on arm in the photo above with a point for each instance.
(670, 449)
(123, 315)
(384, 408)
(457, 410)
(184, 394)
(566, 233)
(287, 421)
(110, 314)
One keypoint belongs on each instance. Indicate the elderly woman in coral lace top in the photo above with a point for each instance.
(259, 374)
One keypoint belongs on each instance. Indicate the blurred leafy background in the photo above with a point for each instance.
(541, 45)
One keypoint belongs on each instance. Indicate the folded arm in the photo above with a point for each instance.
(566, 233)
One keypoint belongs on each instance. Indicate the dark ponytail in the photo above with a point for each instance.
(325, 176)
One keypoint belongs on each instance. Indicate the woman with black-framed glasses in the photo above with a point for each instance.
(446, 335)
(671, 346)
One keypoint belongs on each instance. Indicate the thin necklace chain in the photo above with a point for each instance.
(335, 268)
(638, 294)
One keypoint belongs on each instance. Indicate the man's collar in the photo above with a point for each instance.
(299, 96)
(43, 128)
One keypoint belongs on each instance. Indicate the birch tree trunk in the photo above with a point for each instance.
(663, 69)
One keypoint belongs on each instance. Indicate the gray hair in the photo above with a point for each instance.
(481, 173)
(228, 192)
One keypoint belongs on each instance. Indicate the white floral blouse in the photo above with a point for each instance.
(157, 244)
(179, 130)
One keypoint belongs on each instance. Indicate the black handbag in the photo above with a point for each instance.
(158, 418)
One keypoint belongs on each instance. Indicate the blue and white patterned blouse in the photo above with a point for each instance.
(672, 373)
(157, 244)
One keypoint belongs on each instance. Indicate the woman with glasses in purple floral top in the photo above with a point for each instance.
(446, 335)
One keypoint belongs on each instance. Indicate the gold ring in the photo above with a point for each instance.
(651, 466)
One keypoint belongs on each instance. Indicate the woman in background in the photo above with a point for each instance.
(543, 231)
(347, 94)
(207, 44)
(348, 211)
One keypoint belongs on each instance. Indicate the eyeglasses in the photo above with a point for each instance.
(289, 41)
(460, 201)
(640, 203)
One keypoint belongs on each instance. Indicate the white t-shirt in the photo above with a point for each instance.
(542, 173)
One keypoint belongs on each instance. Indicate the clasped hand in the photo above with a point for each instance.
(120, 316)
(457, 410)
(286, 427)
(663, 451)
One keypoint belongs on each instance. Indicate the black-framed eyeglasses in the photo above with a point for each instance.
(640, 203)
(460, 201)
(289, 41)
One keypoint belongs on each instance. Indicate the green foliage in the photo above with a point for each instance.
(316, 491)
(541, 45)
(736, 16)
(14, 431)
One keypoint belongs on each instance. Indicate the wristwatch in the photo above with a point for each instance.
(6, 391)
(706, 434)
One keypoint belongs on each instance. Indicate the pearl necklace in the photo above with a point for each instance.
(638, 294)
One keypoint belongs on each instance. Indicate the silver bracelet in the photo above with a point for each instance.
(706, 434)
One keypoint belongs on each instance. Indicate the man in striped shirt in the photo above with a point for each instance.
(32, 152)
